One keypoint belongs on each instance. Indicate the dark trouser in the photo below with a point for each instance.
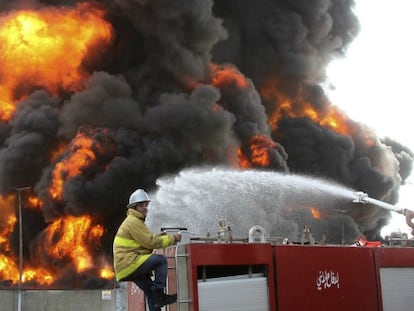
(142, 277)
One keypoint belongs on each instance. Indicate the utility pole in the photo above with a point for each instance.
(19, 195)
(342, 224)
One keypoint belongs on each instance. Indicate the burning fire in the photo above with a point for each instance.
(228, 75)
(46, 48)
(8, 220)
(72, 237)
(83, 152)
(10, 272)
(259, 152)
(56, 49)
(8, 261)
(315, 213)
(256, 154)
(34, 202)
(300, 107)
(72, 166)
(68, 239)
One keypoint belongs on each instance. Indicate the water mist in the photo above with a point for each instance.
(281, 203)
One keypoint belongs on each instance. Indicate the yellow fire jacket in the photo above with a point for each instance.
(134, 243)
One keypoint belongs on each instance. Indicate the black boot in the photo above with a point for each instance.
(160, 299)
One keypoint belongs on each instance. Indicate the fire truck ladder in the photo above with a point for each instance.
(183, 299)
(177, 257)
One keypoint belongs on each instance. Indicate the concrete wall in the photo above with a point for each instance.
(65, 300)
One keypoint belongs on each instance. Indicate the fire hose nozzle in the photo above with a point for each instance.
(360, 197)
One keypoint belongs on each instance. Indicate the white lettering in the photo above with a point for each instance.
(327, 279)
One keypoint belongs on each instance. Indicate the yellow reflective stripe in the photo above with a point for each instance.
(125, 242)
(165, 241)
(128, 270)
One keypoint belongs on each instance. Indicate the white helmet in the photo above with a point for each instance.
(138, 196)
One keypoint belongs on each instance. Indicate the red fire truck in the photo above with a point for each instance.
(259, 275)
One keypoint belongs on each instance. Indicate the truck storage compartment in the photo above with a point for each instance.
(325, 277)
(397, 288)
(230, 277)
(246, 292)
(395, 270)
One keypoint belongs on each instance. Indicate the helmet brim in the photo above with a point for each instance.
(135, 203)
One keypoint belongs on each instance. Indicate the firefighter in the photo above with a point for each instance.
(134, 259)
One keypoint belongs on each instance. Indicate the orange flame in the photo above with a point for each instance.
(8, 261)
(9, 271)
(331, 117)
(225, 75)
(315, 213)
(41, 275)
(46, 48)
(54, 154)
(69, 237)
(74, 236)
(81, 156)
(83, 152)
(259, 152)
(107, 272)
(8, 220)
(34, 202)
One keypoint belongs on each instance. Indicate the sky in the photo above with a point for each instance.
(373, 84)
